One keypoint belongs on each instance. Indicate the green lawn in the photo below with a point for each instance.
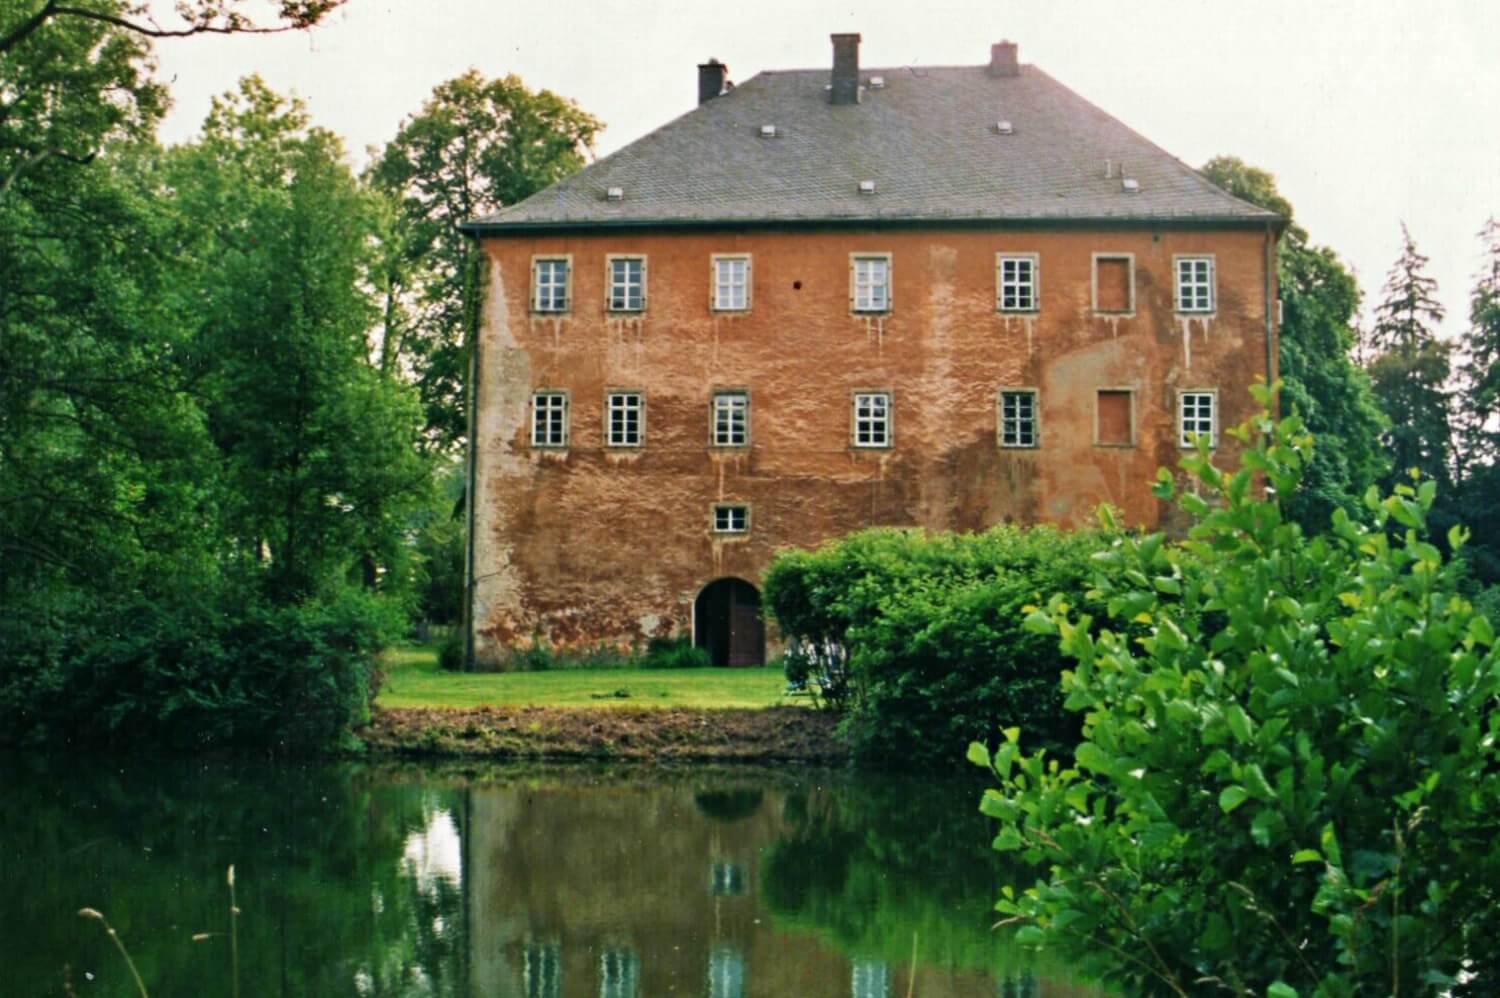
(413, 679)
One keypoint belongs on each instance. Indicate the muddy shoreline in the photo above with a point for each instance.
(775, 734)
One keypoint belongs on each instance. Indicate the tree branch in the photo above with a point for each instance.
(299, 17)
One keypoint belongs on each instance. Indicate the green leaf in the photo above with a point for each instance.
(979, 755)
(1239, 723)
(1306, 856)
(1030, 935)
(1281, 989)
(1232, 797)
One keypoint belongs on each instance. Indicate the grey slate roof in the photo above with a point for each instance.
(927, 139)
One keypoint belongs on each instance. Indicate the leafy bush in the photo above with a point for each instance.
(674, 653)
(1289, 783)
(233, 670)
(451, 652)
(929, 630)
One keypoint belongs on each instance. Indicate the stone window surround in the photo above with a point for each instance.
(855, 395)
(1036, 282)
(713, 282)
(728, 510)
(1132, 392)
(1129, 259)
(1212, 395)
(609, 282)
(1178, 260)
(566, 407)
(713, 417)
(1036, 416)
(855, 307)
(536, 287)
(610, 395)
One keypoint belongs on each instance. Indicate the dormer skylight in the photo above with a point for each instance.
(615, 194)
(768, 131)
(867, 187)
(1004, 128)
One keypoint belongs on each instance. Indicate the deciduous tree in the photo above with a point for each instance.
(476, 146)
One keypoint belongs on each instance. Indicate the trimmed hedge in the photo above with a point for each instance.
(931, 625)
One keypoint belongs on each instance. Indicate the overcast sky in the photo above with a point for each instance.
(1369, 112)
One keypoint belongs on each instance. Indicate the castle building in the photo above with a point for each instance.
(940, 297)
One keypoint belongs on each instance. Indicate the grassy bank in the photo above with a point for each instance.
(413, 680)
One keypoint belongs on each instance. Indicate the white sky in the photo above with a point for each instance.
(1369, 112)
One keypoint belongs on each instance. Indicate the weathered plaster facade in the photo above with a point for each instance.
(593, 544)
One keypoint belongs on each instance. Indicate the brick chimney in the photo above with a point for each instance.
(845, 70)
(1003, 59)
(712, 75)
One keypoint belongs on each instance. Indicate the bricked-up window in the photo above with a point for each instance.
(1018, 280)
(731, 283)
(549, 419)
(550, 280)
(627, 284)
(871, 279)
(1114, 284)
(1195, 284)
(625, 419)
(731, 419)
(731, 519)
(872, 419)
(1114, 416)
(1195, 417)
(1018, 418)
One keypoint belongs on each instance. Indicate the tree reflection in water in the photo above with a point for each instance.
(536, 883)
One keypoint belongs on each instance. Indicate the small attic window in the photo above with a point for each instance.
(877, 83)
(867, 187)
(615, 194)
(1130, 185)
(768, 131)
(1004, 128)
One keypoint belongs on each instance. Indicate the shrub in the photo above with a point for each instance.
(926, 630)
(674, 653)
(451, 653)
(1288, 784)
(229, 670)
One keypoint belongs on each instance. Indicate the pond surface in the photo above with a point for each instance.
(542, 883)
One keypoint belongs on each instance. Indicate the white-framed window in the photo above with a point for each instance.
(624, 419)
(1197, 417)
(627, 283)
(870, 282)
(551, 283)
(731, 518)
(1195, 283)
(731, 419)
(731, 276)
(549, 419)
(1019, 418)
(1017, 282)
(872, 419)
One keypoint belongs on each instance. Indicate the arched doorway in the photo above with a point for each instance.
(727, 623)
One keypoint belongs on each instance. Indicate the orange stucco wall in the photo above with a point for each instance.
(592, 544)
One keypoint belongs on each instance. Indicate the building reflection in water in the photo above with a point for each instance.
(575, 889)
(871, 979)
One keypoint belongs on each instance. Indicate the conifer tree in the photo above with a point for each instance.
(1411, 368)
(1479, 373)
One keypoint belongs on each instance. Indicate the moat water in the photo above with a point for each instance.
(537, 882)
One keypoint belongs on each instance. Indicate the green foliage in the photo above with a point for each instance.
(203, 670)
(1411, 370)
(1320, 379)
(195, 455)
(1287, 784)
(931, 627)
(451, 653)
(476, 146)
(674, 653)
